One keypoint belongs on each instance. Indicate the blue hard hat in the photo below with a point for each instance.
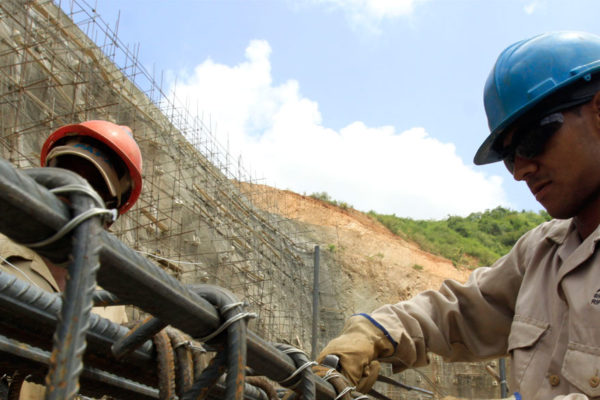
(531, 71)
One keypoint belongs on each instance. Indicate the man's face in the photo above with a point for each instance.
(565, 176)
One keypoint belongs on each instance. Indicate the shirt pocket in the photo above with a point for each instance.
(581, 367)
(522, 340)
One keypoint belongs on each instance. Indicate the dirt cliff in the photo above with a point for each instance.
(382, 266)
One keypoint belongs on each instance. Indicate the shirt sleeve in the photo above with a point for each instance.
(461, 322)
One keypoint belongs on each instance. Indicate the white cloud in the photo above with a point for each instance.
(368, 14)
(280, 133)
(532, 6)
(375, 8)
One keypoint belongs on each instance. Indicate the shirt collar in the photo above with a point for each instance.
(559, 231)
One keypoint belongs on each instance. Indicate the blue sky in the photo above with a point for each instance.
(376, 102)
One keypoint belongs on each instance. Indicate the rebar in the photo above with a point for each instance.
(143, 331)
(28, 311)
(104, 298)
(136, 280)
(166, 366)
(236, 349)
(183, 361)
(106, 383)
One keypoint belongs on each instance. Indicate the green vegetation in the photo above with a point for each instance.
(476, 240)
(473, 241)
(324, 196)
(418, 267)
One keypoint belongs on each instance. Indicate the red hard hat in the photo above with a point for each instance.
(118, 138)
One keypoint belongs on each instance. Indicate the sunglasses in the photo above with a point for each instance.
(530, 140)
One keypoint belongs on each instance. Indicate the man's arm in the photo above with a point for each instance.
(461, 322)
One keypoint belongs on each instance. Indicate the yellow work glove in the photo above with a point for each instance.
(358, 347)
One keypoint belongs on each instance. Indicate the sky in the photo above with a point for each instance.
(378, 103)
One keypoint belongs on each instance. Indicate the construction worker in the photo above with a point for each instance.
(108, 157)
(540, 303)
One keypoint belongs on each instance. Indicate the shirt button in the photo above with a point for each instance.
(554, 380)
(594, 381)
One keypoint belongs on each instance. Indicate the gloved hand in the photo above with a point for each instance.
(358, 347)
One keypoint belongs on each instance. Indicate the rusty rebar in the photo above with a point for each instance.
(166, 366)
(143, 331)
(66, 362)
(183, 361)
(108, 383)
(26, 209)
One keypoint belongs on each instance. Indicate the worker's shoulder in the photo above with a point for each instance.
(555, 230)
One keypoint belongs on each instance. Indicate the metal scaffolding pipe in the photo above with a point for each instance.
(503, 384)
(315, 308)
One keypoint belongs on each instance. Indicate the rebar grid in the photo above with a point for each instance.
(128, 275)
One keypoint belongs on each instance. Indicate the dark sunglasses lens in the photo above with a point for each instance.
(531, 142)
(534, 143)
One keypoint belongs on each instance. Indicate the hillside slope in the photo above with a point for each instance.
(382, 266)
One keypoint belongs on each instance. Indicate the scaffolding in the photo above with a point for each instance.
(60, 64)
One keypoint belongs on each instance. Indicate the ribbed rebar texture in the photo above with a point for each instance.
(66, 362)
(183, 360)
(139, 334)
(35, 312)
(104, 298)
(236, 348)
(105, 383)
(306, 378)
(131, 277)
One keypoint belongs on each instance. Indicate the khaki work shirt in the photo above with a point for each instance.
(540, 304)
(26, 265)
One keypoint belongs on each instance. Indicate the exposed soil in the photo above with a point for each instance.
(383, 267)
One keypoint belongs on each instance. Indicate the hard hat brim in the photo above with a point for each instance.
(486, 153)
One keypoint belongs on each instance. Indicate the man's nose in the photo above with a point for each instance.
(523, 167)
